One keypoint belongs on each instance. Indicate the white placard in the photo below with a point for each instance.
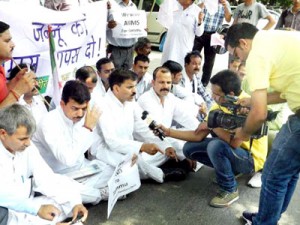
(125, 179)
(130, 24)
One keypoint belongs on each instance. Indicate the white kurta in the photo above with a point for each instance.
(122, 131)
(143, 85)
(165, 114)
(62, 144)
(99, 91)
(24, 172)
(37, 108)
(181, 35)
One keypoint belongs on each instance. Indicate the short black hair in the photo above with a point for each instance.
(13, 73)
(119, 76)
(101, 62)
(239, 31)
(228, 81)
(84, 73)
(76, 90)
(173, 66)
(142, 58)
(3, 27)
(141, 43)
(195, 53)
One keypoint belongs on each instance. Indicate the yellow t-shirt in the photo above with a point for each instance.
(259, 147)
(274, 61)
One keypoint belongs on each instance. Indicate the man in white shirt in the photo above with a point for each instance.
(191, 79)
(120, 49)
(105, 67)
(164, 107)
(31, 100)
(23, 172)
(140, 67)
(66, 133)
(122, 131)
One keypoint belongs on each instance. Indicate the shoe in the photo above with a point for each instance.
(197, 167)
(174, 174)
(255, 181)
(224, 199)
(247, 216)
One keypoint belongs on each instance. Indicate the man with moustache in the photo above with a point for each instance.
(165, 108)
(122, 131)
(31, 100)
(191, 80)
(66, 133)
(23, 82)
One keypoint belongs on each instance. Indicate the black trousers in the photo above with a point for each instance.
(3, 216)
(209, 55)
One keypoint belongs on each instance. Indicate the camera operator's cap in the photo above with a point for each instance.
(219, 42)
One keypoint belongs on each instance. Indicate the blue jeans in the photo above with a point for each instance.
(280, 174)
(226, 161)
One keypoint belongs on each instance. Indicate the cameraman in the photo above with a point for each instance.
(226, 156)
(278, 68)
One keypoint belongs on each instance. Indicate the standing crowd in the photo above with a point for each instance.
(43, 152)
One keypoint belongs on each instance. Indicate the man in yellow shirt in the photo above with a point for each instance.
(272, 60)
(226, 156)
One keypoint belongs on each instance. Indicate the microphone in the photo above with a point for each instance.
(152, 125)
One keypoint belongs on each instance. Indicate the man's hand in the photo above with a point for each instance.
(92, 117)
(244, 102)
(202, 127)
(203, 109)
(80, 210)
(134, 159)
(200, 17)
(48, 212)
(223, 2)
(111, 24)
(163, 128)
(170, 152)
(150, 149)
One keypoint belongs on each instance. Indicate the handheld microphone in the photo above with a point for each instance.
(152, 125)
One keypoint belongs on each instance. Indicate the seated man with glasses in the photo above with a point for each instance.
(226, 156)
(24, 172)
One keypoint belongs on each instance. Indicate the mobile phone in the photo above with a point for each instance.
(77, 220)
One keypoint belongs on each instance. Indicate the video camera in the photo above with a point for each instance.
(233, 120)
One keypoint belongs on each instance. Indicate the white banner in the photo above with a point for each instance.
(79, 35)
(130, 24)
(125, 179)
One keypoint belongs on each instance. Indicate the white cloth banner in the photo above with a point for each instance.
(79, 36)
(125, 179)
(130, 24)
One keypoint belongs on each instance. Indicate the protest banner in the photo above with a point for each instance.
(79, 36)
(130, 23)
(125, 179)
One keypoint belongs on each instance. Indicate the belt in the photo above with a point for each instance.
(297, 113)
(122, 47)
